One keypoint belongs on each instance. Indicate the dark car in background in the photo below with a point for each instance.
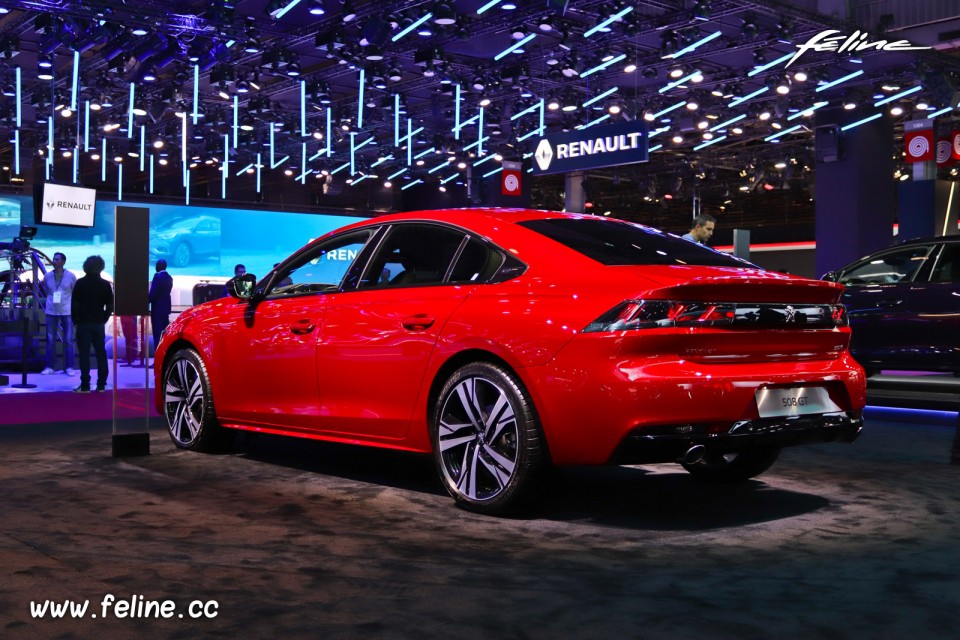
(186, 240)
(904, 306)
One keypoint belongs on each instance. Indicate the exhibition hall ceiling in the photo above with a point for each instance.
(373, 92)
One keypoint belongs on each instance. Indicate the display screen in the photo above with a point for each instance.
(70, 206)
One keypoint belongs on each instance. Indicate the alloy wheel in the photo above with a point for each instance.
(478, 438)
(184, 401)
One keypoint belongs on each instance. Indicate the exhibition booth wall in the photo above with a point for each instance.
(196, 241)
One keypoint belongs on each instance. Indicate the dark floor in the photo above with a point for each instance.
(295, 539)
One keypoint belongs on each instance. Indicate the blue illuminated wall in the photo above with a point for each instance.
(217, 238)
(9, 219)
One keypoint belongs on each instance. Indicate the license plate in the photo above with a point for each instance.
(796, 401)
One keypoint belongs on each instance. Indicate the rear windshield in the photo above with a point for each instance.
(612, 243)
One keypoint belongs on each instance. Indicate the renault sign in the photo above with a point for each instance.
(608, 146)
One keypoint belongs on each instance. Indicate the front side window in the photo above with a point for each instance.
(413, 254)
(899, 265)
(614, 243)
(320, 269)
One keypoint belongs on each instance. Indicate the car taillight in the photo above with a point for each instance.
(840, 316)
(649, 314)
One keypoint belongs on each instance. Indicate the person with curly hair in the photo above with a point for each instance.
(92, 306)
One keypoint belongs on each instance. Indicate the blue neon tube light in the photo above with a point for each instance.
(607, 22)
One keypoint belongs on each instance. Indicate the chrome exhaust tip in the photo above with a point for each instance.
(694, 454)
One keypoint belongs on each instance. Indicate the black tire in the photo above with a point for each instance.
(188, 405)
(487, 441)
(181, 255)
(729, 468)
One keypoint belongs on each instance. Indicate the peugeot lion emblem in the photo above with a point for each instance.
(791, 314)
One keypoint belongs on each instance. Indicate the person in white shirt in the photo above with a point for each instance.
(58, 286)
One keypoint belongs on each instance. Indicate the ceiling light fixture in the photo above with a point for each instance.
(701, 10)
(782, 85)
(444, 14)
(349, 13)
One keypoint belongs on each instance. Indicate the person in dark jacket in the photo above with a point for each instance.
(91, 307)
(238, 271)
(160, 304)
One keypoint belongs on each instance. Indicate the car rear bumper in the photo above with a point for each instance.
(669, 443)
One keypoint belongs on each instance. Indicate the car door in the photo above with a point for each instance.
(268, 346)
(377, 339)
(934, 304)
(879, 293)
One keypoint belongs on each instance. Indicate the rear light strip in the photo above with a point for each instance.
(650, 314)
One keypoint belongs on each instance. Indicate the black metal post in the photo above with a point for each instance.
(23, 359)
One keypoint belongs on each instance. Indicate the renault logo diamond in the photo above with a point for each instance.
(544, 155)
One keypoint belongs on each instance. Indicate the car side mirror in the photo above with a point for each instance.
(242, 286)
(830, 276)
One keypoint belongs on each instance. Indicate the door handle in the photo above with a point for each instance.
(418, 322)
(303, 326)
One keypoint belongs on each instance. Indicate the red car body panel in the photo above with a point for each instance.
(366, 371)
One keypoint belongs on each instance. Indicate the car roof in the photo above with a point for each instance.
(928, 240)
(488, 222)
(472, 215)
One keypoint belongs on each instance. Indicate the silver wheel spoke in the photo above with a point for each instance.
(467, 484)
(454, 435)
(467, 392)
(500, 417)
(192, 424)
(196, 392)
(505, 464)
(500, 472)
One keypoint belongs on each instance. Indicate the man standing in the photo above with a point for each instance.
(58, 285)
(92, 307)
(160, 304)
(702, 229)
(238, 270)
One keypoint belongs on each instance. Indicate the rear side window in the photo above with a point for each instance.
(616, 243)
(476, 263)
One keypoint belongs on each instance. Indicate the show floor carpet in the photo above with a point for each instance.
(295, 539)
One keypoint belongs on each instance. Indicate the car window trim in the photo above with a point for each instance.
(464, 241)
(510, 266)
(939, 250)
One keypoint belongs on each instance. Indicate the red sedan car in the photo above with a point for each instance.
(506, 341)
